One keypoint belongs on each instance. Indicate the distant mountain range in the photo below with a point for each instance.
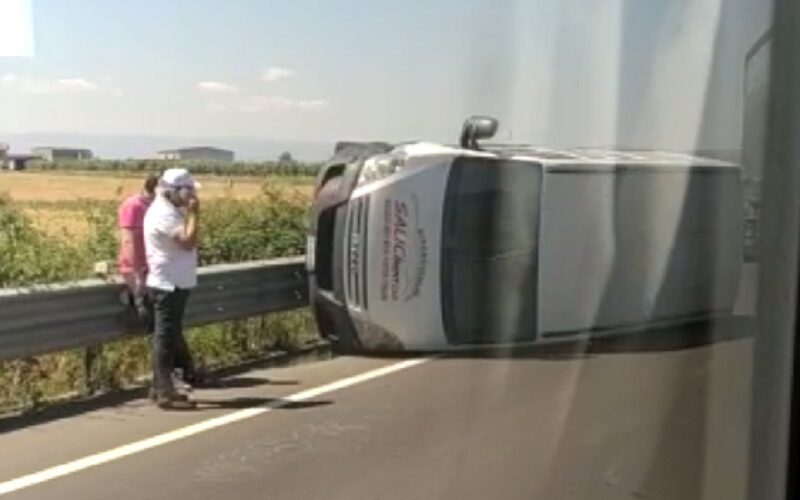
(142, 146)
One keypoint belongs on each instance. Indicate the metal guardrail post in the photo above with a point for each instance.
(90, 355)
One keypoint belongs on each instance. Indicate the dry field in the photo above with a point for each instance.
(40, 193)
(61, 222)
(50, 186)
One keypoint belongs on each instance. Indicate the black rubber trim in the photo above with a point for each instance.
(333, 320)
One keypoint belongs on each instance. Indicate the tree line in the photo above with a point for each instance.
(284, 166)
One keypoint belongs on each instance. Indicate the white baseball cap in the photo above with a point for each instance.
(178, 178)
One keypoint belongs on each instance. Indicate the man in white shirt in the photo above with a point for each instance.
(170, 237)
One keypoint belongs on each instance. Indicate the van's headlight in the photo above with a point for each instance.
(379, 167)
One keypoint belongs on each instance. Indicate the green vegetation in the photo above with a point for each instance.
(28, 256)
(286, 166)
(270, 226)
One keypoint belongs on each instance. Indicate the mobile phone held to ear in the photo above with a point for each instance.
(192, 202)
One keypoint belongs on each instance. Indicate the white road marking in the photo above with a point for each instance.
(191, 430)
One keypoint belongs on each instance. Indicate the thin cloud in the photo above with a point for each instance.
(76, 84)
(217, 87)
(267, 103)
(258, 104)
(276, 73)
(72, 85)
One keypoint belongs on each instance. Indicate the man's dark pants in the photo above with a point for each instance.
(169, 344)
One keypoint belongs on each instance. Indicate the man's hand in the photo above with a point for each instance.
(187, 237)
(127, 247)
(193, 205)
(140, 283)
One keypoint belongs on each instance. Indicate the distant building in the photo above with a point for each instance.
(198, 153)
(62, 154)
(12, 161)
(18, 162)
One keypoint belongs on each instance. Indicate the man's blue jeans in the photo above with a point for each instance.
(169, 344)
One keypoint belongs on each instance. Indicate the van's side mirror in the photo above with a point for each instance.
(476, 128)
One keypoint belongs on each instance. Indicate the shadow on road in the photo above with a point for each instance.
(222, 378)
(651, 341)
(242, 403)
(72, 409)
(664, 339)
(243, 382)
(118, 398)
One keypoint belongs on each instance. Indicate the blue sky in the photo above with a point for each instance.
(565, 72)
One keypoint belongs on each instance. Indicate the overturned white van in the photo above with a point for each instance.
(423, 246)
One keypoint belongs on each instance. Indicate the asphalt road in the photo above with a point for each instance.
(662, 417)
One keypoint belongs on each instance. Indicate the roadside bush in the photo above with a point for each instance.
(27, 383)
(27, 256)
(273, 225)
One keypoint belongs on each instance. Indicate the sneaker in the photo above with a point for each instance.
(175, 402)
(152, 395)
(193, 378)
(182, 384)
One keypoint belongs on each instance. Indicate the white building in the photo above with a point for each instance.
(13, 161)
(62, 154)
(197, 153)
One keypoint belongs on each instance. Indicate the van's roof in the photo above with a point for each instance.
(572, 157)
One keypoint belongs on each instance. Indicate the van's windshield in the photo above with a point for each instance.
(489, 237)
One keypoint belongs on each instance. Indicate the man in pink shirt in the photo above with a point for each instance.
(132, 260)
